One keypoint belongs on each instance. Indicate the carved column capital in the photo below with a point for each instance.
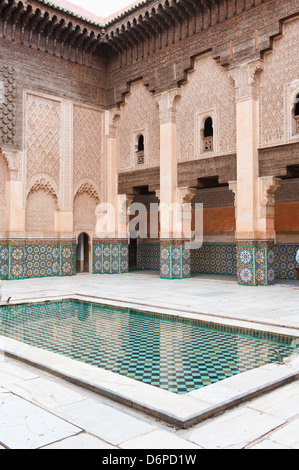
(12, 158)
(112, 118)
(167, 102)
(268, 186)
(245, 79)
(185, 195)
(233, 186)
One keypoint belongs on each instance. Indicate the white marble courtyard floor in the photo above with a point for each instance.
(39, 410)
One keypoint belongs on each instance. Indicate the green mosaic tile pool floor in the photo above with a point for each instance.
(173, 356)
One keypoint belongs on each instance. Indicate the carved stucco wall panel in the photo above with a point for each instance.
(85, 212)
(140, 112)
(88, 146)
(281, 69)
(208, 89)
(40, 212)
(43, 137)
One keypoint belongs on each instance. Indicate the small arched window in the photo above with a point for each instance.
(141, 143)
(140, 149)
(296, 115)
(208, 137)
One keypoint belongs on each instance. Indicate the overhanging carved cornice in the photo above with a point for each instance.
(47, 29)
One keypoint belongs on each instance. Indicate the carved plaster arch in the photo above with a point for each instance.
(44, 183)
(89, 187)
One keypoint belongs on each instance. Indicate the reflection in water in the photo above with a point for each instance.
(174, 356)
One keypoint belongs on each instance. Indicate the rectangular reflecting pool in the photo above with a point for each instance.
(175, 354)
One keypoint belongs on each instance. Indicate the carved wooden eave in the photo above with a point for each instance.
(151, 19)
(175, 19)
(48, 29)
(146, 28)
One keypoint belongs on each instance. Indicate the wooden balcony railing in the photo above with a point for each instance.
(208, 144)
(140, 158)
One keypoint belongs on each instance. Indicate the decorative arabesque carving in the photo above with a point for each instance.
(140, 111)
(88, 142)
(7, 104)
(167, 102)
(268, 186)
(245, 80)
(43, 136)
(41, 206)
(44, 185)
(88, 189)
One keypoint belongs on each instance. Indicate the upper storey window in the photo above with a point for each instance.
(139, 149)
(208, 138)
(296, 115)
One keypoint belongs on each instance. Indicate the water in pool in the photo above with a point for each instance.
(174, 356)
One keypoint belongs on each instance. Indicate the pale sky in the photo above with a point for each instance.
(102, 8)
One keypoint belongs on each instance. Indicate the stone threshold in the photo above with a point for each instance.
(180, 411)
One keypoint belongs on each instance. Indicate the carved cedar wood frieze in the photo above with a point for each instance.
(7, 104)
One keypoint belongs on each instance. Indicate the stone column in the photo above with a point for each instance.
(111, 251)
(255, 235)
(174, 256)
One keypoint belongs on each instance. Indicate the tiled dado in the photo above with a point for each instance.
(21, 259)
(255, 263)
(110, 256)
(148, 257)
(175, 262)
(285, 261)
(215, 259)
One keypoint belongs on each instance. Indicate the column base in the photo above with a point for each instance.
(175, 260)
(110, 256)
(255, 262)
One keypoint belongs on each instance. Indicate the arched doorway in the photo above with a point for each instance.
(133, 247)
(83, 253)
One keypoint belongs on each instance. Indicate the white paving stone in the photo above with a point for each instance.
(280, 403)
(46, 393)
(288, 435)
(158, 440)
(268, 445)
(235, 429)
(104, 421)
(10, 374)
(82, 441)
(26, 426)
(3, 391)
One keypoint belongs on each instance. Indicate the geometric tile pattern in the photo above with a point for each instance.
(255, 265)
(148, 257)
(285, 261)
(37, 259)
(175, 356)
(215, 259)
(110, 258)
(175, 261)
(4, 261)
(28, 259)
